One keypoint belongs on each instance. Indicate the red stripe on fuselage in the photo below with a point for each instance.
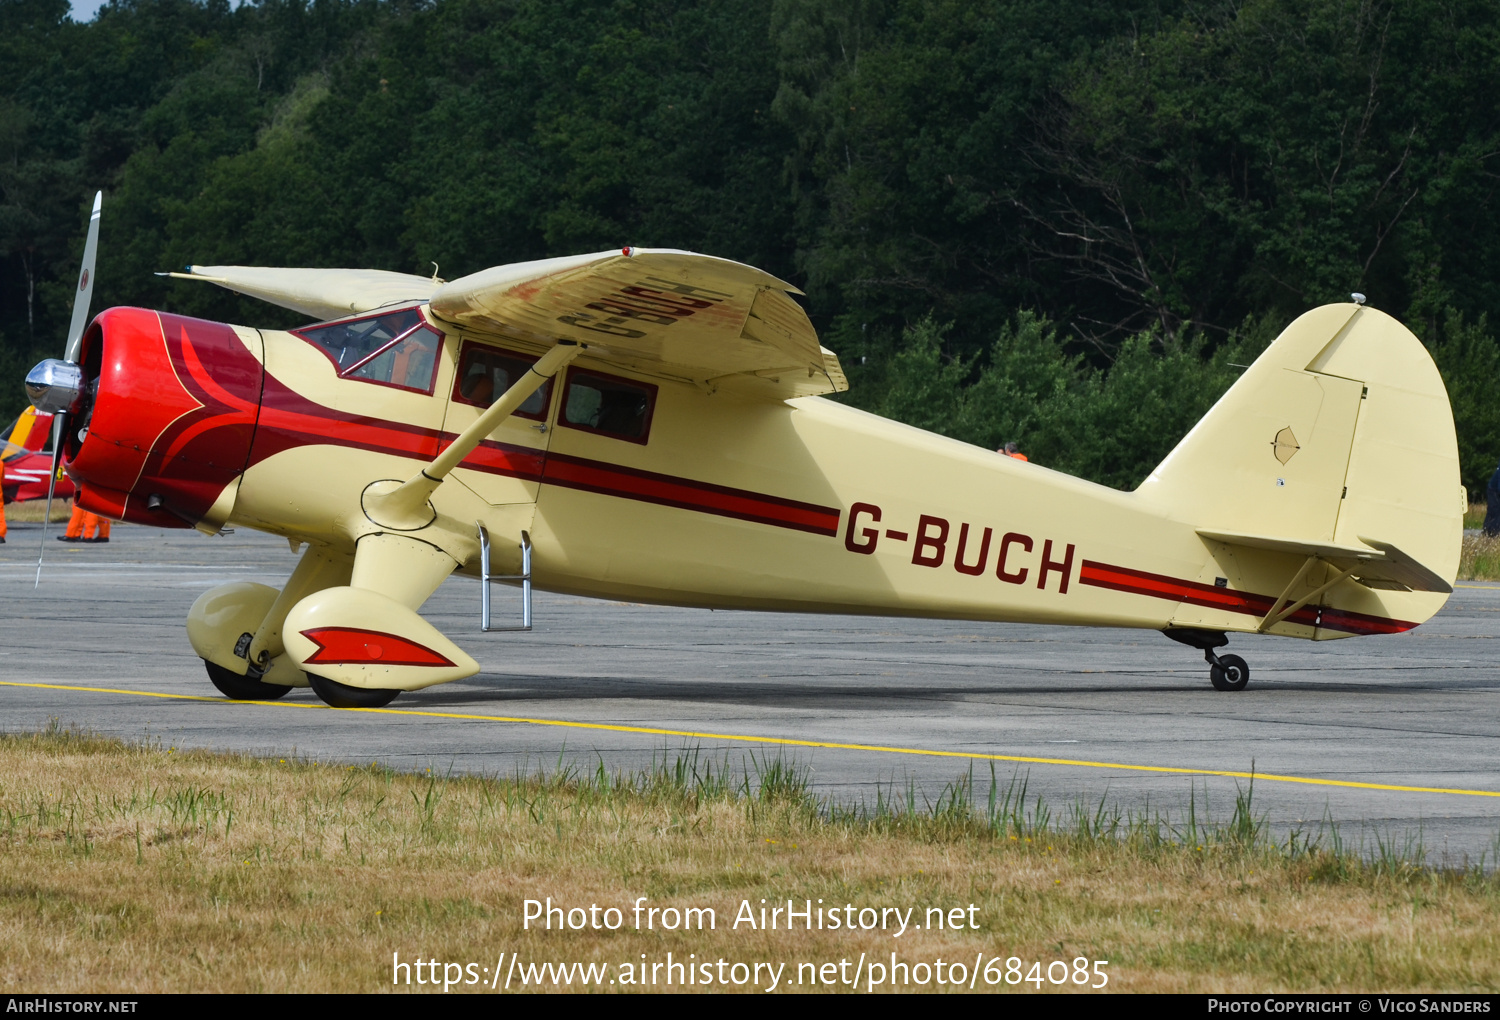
(1141, 582)
(290, 420)
(668, 490)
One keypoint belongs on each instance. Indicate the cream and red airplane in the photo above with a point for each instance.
(652, 425)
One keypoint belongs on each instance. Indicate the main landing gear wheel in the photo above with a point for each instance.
(1229, 674)
(340, 695)
(242, 688)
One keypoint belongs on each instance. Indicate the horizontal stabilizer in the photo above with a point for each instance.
(1375, 564)
(319, 293)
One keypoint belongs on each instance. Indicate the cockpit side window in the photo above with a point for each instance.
(395, 348)
(485, 373)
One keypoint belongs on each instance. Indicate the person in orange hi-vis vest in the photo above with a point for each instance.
(85, 527)
(1010, 451)
(2, 520)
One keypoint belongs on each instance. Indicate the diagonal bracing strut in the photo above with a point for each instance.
(1278, 614)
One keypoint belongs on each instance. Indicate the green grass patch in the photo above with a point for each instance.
(129, 867)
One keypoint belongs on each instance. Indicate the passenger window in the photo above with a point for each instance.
(484, 374)
(395, 349)
(608, 405)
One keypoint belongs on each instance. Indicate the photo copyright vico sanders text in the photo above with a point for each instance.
(868, 971)
(1337, 1004)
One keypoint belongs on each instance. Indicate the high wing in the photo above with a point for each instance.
(655, 310)
(320, 293)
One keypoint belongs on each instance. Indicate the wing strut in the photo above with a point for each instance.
(406, 505)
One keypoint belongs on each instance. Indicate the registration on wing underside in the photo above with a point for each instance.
(666, 311)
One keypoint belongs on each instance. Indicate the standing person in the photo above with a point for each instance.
(95, 528)
(1492, 510)
(1010, 450)
(2, 520)
(74, 533)
(85, 527)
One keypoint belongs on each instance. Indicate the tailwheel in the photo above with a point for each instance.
(1225, 672)
(1229, 673)
(242, 688)
(339, 695)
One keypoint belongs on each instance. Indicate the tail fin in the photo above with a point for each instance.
(1340, 435)
(29, 432)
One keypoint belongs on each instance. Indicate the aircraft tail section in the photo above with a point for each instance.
(1330, 468)
(29, 432)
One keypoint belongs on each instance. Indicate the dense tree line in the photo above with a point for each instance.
(1062, 222)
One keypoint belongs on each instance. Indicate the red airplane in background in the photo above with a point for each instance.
(27, 460)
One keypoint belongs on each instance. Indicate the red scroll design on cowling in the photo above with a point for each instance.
(174, 417)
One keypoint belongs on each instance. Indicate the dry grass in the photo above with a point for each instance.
(138, 869)
(33, 510)
(1480, 560)
(1481, 556)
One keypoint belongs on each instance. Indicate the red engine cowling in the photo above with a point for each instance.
(166, 419)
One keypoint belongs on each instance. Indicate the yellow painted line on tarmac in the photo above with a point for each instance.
(781, 741)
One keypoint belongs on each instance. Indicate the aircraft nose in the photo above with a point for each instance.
(169, 412)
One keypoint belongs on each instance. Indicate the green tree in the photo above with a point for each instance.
(1469, 359)
(1109, 426)
(1269, 156)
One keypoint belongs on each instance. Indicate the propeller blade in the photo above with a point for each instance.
(58, 424)
(85, 283)
(81, 300)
